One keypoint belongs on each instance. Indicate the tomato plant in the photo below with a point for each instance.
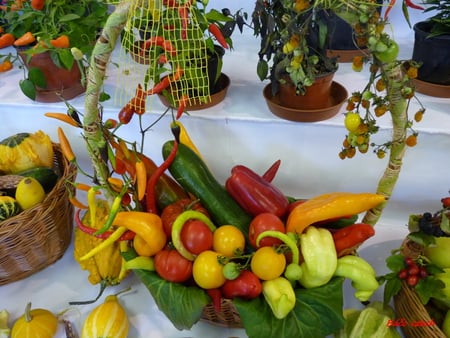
(170, 212)
(352, 121)
(227, 240)
(208, 271)
(196, 236)
(247, 285)
(261, 223)
(388, 54)
(173, 267)
(267, 263)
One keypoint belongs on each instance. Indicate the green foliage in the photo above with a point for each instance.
(441, 16)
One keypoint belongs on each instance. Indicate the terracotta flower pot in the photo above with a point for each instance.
(61, 83)
(317, 95)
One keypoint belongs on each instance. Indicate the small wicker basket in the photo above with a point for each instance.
(409, 307)
(226, 317)
(39, 236)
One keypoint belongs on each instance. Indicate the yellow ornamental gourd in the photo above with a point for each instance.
(105, 266)
(109, 319)
(36, 323)
(24, 151)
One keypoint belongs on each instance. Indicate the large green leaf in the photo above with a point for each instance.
(182, 305)
(317, 313)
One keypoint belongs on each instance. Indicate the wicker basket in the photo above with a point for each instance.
(226, 317)
(39, 236)
(409, 307)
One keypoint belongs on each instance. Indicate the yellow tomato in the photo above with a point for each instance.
(227, 240)
(207, 271)
(267, 263)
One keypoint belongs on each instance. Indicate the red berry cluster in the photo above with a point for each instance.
(412, 272)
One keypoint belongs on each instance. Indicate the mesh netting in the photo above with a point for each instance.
(163, 47)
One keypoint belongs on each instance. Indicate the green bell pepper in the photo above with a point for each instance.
(280, 296)
(361, 273)
(320, 258)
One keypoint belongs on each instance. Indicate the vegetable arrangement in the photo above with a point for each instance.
(194, 240)
(26, 172)
(426, 270)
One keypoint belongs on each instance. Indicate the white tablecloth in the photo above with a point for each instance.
(240, 130)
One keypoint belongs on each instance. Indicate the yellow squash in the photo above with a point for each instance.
(36, 323)
(109, 319)
(105, 266)
(24, 151)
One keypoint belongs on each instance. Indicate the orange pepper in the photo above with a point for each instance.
(6, 40)
(5, 66)
(64, 118)
(141, 179)
(26, 39)
(61, 42)
(66, 149)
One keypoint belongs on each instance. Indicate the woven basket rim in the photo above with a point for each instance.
(38, 236)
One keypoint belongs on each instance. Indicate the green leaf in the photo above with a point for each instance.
(182, 305)
(37, 77)
(262, 69)
(391, 288)
(28, 88)
(429, 287)
(421, 238)
(445, 224)
(66, 58)
(317, 313)
(395, 262)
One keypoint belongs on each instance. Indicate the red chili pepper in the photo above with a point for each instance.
(151, 183)
(183, 12)
(153, 41)
(270, 173)
(160, 86)
(346, 239)
(254, 194)
(216, 298)
(388, 9)
(128, 235)
(445, 202)
(410, 4)
(126, 113)
(217, 33)
(182, 106)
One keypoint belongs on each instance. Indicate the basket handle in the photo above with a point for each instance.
(101, 55)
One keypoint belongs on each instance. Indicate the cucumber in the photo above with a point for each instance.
(47, 177)
(192, 174)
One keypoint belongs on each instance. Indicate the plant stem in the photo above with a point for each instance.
(92, 119)
(398, 109)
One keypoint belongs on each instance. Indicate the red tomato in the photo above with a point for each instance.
(246, 286)
(261, 223)
(170, 212)
(196, 236)
(173, 267)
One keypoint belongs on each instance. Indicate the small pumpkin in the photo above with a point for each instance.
(36, 323)
(8, 207)
(109, 319)
(24, 151)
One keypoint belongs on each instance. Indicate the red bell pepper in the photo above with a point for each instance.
(348, 238)
(254, 194)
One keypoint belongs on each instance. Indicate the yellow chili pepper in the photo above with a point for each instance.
(66, 149)
(107, 242)
(185, 138)
(141, 179)
(331, 205)
(147, 225)
(116, 183)
(92, 205)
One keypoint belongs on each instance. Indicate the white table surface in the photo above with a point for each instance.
(240, 130)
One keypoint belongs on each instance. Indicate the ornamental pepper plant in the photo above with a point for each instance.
(66, 29)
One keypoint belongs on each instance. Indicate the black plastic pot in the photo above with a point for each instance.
(433, 53)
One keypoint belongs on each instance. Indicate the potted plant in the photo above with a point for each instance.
(186, 36)
(431, 49)
(293, 42)
(54, 36)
